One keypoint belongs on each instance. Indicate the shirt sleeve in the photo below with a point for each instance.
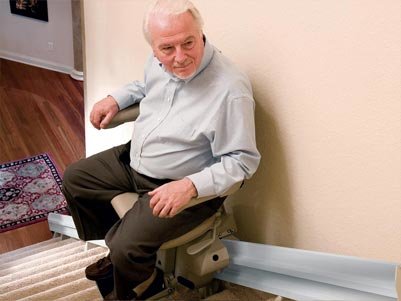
(233, 147)
(129, 94)
(132, 92)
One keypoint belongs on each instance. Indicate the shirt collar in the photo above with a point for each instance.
(207, 57)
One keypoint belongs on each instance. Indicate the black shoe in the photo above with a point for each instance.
(102, 272)
(155, 287)
(105, 285)
(103, 268)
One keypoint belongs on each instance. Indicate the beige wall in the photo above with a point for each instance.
(326, 77)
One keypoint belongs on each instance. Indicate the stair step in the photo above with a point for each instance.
(61, 290)
(42, 257)
(50, 274)
(38, 287)
(21, 253)
(89, 294)
(18, 253)
(53, 269)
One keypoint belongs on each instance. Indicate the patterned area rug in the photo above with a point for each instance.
(29, 190)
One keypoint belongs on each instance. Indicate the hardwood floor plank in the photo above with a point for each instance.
(41, 111)
(24, 236)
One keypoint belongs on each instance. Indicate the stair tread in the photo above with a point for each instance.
(48, 255)
(89, 294)
(41, 286)
(52, 269)
(26, 251)
(61, 290)
(53, 273)
(5, 257)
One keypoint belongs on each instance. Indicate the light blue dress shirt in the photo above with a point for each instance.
(201, 128)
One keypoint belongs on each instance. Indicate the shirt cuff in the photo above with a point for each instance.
(203, 183)
(122, 97)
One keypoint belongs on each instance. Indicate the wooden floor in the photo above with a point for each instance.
(41, 111)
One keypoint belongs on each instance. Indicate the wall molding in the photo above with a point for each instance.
(77, 75)
(20, 58)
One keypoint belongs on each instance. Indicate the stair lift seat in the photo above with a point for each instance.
(193, 258)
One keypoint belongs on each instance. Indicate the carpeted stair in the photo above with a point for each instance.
(50, 270)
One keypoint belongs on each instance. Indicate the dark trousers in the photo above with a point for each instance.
(90, 184)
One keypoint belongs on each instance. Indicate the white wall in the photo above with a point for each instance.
(26, 40)
(326, 77)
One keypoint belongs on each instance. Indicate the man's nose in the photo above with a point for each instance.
(180, 55)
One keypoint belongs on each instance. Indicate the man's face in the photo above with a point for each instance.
(177, 42)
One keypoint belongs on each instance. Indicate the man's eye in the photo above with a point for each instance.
(167, 49)
(188, 44)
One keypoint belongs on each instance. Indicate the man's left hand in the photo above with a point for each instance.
(168, 200)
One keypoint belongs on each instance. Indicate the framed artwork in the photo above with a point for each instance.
(36, 9)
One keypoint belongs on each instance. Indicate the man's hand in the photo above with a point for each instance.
(168, 199)
(103, 112)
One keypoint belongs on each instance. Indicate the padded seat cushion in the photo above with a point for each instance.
(124, 202)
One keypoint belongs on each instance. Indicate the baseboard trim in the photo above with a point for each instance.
(20, 58)
(77, 75)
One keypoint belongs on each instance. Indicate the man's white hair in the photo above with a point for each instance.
(170, 7)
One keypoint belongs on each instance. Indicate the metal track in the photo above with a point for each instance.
(308, 275)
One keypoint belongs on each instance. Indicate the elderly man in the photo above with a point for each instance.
(194, 137)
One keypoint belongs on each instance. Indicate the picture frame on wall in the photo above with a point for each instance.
(36, 9)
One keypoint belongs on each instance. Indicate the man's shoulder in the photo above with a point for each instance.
(226, 74)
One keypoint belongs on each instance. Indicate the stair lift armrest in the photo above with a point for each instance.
(196, 201)
(126, 115)
(203, 244)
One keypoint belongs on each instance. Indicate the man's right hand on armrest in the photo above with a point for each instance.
(103, 112)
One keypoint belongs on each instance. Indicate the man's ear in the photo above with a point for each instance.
(153, 50)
